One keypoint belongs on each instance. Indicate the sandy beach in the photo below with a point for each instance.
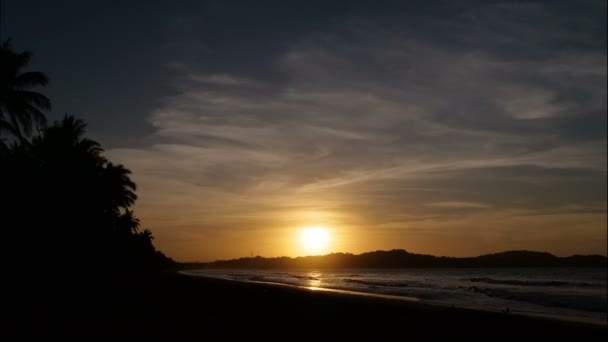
(179, 307)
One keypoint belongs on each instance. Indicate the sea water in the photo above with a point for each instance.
(576, 294)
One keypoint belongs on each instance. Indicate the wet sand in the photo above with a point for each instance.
(180, 307)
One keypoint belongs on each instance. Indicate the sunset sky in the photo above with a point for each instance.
(443, 127)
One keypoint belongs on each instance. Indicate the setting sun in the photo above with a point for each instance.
(315, 240)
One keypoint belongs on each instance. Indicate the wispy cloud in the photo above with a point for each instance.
(380, 124)
(457, 205)
(224, 80)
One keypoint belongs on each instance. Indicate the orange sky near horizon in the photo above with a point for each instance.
(451, 128)
(227, 232)
(399, 127)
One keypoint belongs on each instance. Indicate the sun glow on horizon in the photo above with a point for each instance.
(315, 240)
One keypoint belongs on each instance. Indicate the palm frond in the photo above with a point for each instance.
(129, 221)
(13, 122)
(5, 125)
(31, 79)
(22, 108)
(33, 118)
(8, 127)
(121, 187)
(32, 97)
(22, 59)
(90, 146)
(73, 127)
(38, 118)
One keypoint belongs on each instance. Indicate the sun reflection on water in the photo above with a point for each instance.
(314, 280)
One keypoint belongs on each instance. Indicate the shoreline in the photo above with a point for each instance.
(547, 316)
(180, 307)
(389, 313)
(314, 288)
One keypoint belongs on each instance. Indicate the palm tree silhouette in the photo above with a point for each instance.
(21, 110)
(63, 204)
(109, 185)
(118, 187)
(82, 203)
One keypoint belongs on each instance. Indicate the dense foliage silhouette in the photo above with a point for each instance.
(66, 205)
(64, 208)
(21, 109)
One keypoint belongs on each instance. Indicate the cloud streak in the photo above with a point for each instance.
(374, 125)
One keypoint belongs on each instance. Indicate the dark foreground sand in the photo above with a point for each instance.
(188, 308)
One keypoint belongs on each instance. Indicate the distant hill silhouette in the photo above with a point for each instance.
(399, 258)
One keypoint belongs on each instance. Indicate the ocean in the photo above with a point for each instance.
(574, 294)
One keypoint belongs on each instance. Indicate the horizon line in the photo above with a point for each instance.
(388, 250)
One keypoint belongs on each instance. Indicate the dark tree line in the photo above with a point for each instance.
(64, 207)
